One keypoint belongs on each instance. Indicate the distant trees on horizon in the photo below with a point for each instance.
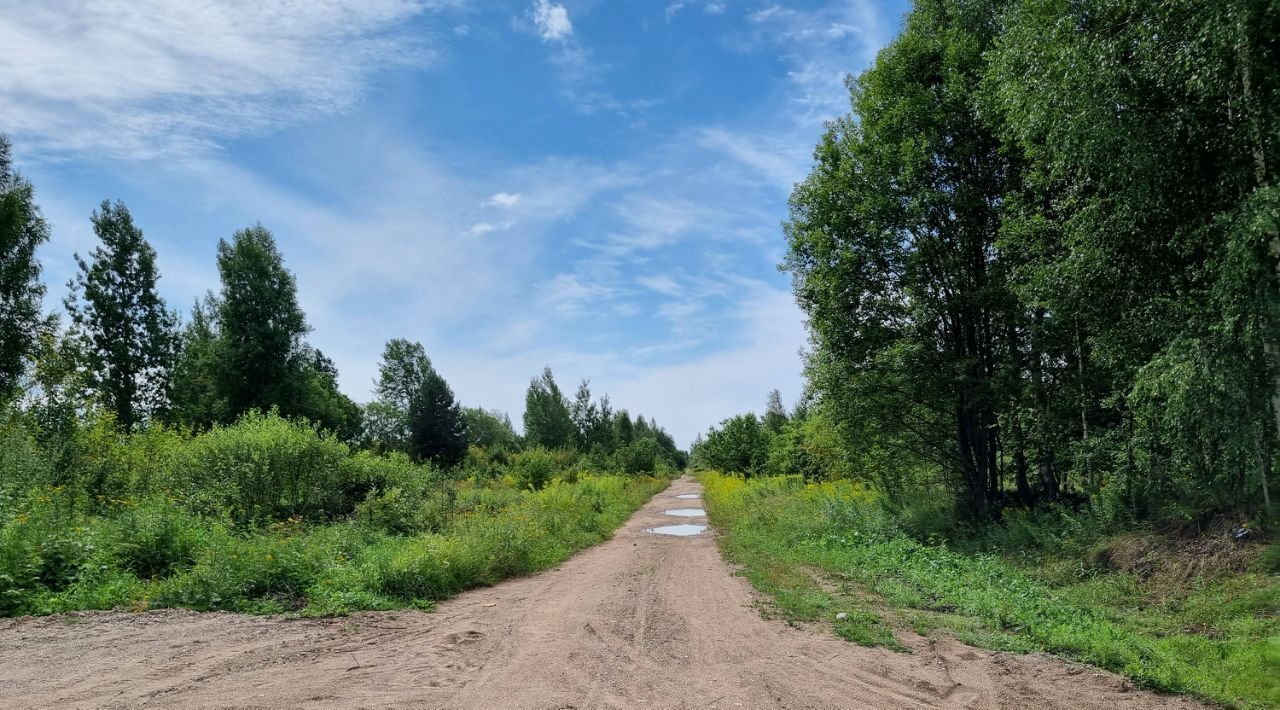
(242, 349)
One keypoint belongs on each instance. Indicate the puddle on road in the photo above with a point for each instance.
(681, 530)
(686, 512)
(689, 496)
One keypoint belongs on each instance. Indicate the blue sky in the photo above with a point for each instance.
(595, 186)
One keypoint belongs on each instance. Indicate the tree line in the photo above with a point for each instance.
(1039, 258)
(123, 353)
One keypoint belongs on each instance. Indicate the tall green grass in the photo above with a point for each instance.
(818, 549)
(271, 516)
(152, 553)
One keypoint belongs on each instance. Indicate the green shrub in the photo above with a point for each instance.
(22, 464)
(366, 472)
(422, 503)
(112, 465)
(268, 515)
(265, 468)
(485, 499)
(642, 456)
(535, 467)
(154, 537)
(42, 547)
(268, 572)
(426, 568)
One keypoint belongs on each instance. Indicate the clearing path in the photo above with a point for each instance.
(641, 621)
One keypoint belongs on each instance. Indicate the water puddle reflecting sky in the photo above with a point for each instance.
(689, 496)
(681, 530)
(686, 512)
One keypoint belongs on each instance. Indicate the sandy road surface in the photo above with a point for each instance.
(642, 621)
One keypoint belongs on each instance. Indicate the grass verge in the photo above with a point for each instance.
(149, 552)
(821, 549)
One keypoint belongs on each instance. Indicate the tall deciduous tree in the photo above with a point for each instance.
(22, 229)
(624, 429)
(547, 421)
(195, 398)
(261, 325)
(244, 348)
(401, 374)
(416, 408)
(892, 248)
(1148, 232)
(739, 444)
(1073, 273)
(126, 334)
(585, 414)
(490, 429)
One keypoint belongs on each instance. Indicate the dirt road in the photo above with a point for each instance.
(642, 621)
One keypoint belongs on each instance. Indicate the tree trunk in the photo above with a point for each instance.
(1252, 115)
(1263, 444)
(1084, 416)
(970, 459)
(1044, 454)
(1020, 470)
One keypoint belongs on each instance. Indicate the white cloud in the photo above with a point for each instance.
(678, 238)
(139, 78)
(660, 283)
(552, 21)
(712, 7)
(479, 229)
(768, 13)
(570, 293)
(839, 30)
(777, 159)
(504, 199)
(685, 396)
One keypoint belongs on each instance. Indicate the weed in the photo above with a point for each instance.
(1214, 637)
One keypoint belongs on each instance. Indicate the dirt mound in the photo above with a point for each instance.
(1177, 558)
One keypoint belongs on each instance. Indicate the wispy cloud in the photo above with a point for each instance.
(570, 293)
(660, 283)
(775, 158)
(647, 266)
(138, 78)
(709, 7)
(822, 44)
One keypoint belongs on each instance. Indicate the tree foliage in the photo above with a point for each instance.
(547, 421)
(490, 429)
(415, 412)
(1040, 280)
(437, 429)
(261, 326)
(740, 443)
(125, 333)
(245, 349)
(22, 229)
